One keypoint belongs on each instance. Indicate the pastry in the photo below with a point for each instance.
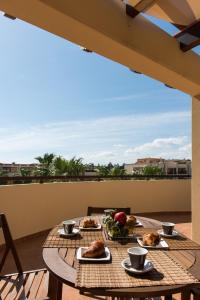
(131, 221)
(89, 223)
(96, 249)
(151, 239)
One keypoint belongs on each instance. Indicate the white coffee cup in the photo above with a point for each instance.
(137, 257)
(68, 226)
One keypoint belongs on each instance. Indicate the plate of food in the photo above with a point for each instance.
(152, 240)
(95, 252)
(90, 224)
(132, 222)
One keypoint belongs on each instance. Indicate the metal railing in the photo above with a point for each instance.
(8, 180)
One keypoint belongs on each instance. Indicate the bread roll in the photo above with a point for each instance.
(131, 221)
(96, 249)
(89, 223)
(151, 239)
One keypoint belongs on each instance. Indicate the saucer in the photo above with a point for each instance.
(174, 233)
(148, 266)
(61, 232)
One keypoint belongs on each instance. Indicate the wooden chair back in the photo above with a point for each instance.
(9, 244)
(100, 210)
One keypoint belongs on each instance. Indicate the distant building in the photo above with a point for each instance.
(168, 166)
(13, 169)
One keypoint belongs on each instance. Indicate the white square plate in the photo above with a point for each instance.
(138, 224)
(95, 259)
(91, 228)
(161, 245)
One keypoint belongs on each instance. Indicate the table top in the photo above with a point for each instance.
(62, 263)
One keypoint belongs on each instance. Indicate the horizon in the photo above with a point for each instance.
(58, 99)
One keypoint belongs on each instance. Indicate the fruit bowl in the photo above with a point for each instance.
(116, 225)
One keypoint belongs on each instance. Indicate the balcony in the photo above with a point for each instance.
(40, 206)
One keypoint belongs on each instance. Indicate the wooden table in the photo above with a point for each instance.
(61, 263)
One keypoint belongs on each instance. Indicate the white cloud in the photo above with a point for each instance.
(97, 140)
(184, 151)
(157, 143)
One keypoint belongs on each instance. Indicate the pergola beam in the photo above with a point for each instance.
(142, 5)
(103, 27)
(189, 37)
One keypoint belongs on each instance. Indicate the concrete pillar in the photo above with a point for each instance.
(196, 168)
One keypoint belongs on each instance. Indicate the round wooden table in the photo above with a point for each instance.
(61, 263)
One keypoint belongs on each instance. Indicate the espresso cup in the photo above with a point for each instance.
(108, 211)
(68, 226)
(137, 257)
(168, 228)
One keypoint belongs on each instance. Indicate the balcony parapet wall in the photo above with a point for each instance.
(31, 208)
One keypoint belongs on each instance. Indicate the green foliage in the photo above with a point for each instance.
(152, 170)
(115, 170)
(103, 170)
(75, 167)
(60, 165)
(3, 173)
(46, 159)
(25, 172)
(46, 167)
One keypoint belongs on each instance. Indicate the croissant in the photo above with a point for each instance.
(151, 239)
(96, 249)
(88, 223)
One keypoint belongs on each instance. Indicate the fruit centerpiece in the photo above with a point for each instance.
(118, 224)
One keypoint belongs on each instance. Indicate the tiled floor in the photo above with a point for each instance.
(30, 250)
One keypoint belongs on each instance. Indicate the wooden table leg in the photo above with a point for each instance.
(59, 290)
(55, 288)
(168, 297)
(196, 294)
(185, 295)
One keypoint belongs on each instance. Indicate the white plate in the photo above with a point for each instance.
(95, 259)
(138, 224)
(174, 233)
(161, 245)
(74, 232)
(91, 228)
(148, 266)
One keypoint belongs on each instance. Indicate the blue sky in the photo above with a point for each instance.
(57, 98)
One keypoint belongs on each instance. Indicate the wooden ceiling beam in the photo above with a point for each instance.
(189, 37)
(105, 29)
(142, 5)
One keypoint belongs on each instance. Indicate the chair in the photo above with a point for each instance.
(30, 285)
(100, 210)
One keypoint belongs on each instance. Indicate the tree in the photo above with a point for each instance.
(117, 171)
(25, 172)
(103, 170)
(46, 167)
(75, 167)
(60, 165)
(152, 170)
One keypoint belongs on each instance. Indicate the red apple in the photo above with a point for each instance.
(120, 217)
